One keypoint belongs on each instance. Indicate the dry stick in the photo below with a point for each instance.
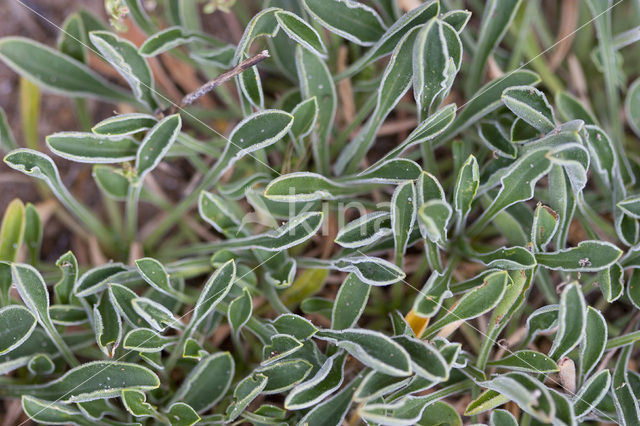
(221, 79)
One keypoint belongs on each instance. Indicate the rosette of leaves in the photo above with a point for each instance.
(492, 264)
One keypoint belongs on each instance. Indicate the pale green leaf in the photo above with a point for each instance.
(349, 19)
(372, 348)
(57, 72)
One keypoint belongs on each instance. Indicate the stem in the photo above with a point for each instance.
(66, 352)
(485, 349)
(133, 196)
(82, 114)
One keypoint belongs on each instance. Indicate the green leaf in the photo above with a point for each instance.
(370, 270)
(429, 301)
(465, 189)
(426, 360)
(137, 13)
(68, 314)
(95, 380)
(429, 129)
(440, 413)
(487, 99)
(434, 216)
(296, 231)
(333, 410)
(541, 320)
(57, 72)
(122, 298)
(610, 281)
(111, 181)
(32, 233)
(328, 378)
(365, 230)
(284, 375)
(571, 321)
(305, 116)
(146, 340)
(52, 412)
(16, 325)
(124, 124)
(495, 137)
(386, 171)
(245, 392)
(135, 402)
(376, 384)
(508, 258)
(280, 346)
(396, 80)
(251, 86)
(487, 400)
(154, 273)
(301, 32)
(156, 143)
(107, 325)
(390, 39)
(38, 165)
(207, 383)
(349, 19)
(527, 361)
(632, 106)
(517, 185)
(531, 105)
(11, 232)
(215, 289)
(496, 19)
(34, 294)
(591, 393)
(182, 414)
(458, 19)
(475, 302)
(545, 224)
(294, 325)
(570, 108)
(371, 348)
(631, 206)
(625, 401)
(403, 216)
(437, 54)
(585, 257)
(633, 288)
(531, 396)
(240, 310)
(89, 148)
(69, 268)
(257, 131)
(7, 140)
(171, 37)
(350, 302)
(262, 24)
(316, 81)
(124, 57)
(154, 313)
(40, 364)
(73, 40)
(594, 342)
(502, 418)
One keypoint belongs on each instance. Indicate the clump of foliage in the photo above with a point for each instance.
(489, 274)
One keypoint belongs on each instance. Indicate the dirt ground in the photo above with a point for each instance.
(56, 112)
